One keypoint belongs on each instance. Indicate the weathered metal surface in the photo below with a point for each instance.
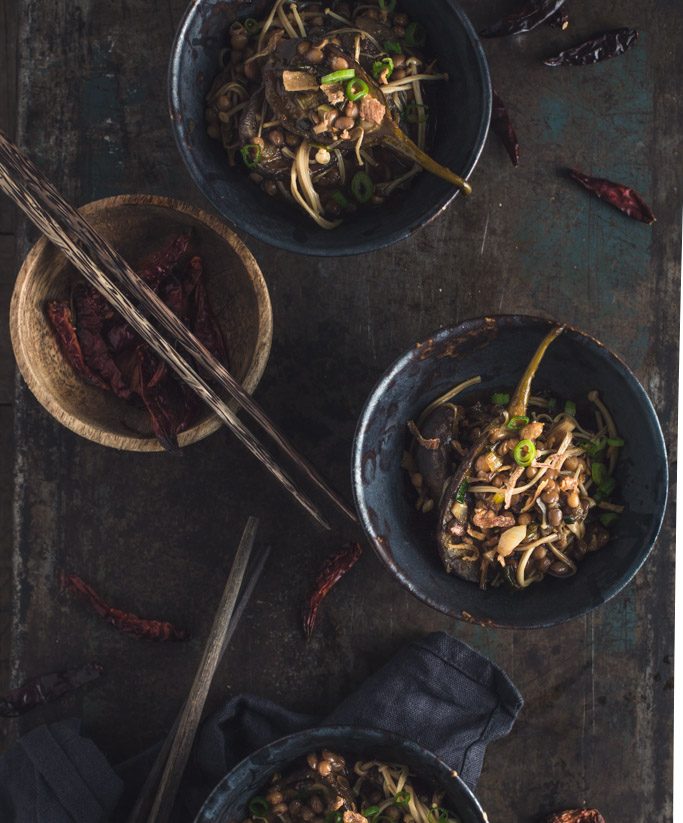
(155, 532)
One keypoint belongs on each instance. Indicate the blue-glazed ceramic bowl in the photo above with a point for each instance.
(461, 111)
(228, 800)
(498, 349)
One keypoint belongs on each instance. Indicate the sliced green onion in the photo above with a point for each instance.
(615, 441)
(392, 47)
(371, 812)
(462, 491)
(355, 89)
(439, 815)
(416, 35)
(517, 422)
(416, 112)
(251, 155)
(387, 5)
(593, 449)
(598, 473)
(524, 453)
(362, 186)
(334, 817)
(608, 518)
(552, 403)
(251, 25)
(338, 76)
(500, 399)
(258, 806)
(570, 408)
(380, 65)
(403, 798)
(340, 200)
(607, 486)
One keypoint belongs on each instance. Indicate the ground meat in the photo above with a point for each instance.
(488, 519)
(334, 93)
(531, 431)
(371, 110)
(354, 817)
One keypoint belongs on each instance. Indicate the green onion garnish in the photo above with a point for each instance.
(517, 422)
(251, 25)
(258, 806)
(371, 812)
(392, 47)
(570, 408)
(339, 198)
(438, 814)
(387, 5)
(251, 155)
(500, 399)
(355, 89)
(416, 35)
(462, 491)
(416, 112)
(380, 65)
(615, 441)
(402, 798)
(608, 518)
(598, 473)
(524, 453)
(338, 76)
(334, 817)
(362, 186)
(594, 448)
(552, 403)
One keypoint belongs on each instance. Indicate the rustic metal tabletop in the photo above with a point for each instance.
(156, 531)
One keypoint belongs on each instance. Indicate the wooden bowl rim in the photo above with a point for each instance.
(51, 404)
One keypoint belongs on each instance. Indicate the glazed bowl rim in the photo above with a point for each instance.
(320, 733)
(287, 243)
(379, 389)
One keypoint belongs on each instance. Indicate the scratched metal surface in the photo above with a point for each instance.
(156, 532)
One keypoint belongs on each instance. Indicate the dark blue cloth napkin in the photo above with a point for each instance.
(438, 692)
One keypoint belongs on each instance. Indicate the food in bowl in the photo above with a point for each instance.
(324, 788)
(105, 351)
(521, 484)
(325, 106)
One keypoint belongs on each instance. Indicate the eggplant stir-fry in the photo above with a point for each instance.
(522, 485)
(325, 104)
(325, 788)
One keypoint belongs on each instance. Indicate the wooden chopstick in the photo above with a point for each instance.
(103, 267)
(143, 804)
(192, 711)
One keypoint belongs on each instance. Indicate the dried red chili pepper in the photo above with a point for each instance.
(155, 267)
(92, 312)
(524, 19)
(618, 195)
(331, 573)
(502, 126)
(603, 47)
(202, 318)
(61, 319)
(46, 688)
(123, 621)
(114, 357)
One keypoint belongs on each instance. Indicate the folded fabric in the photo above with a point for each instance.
(438, 692)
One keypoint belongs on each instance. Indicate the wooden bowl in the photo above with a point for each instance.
(136, 225)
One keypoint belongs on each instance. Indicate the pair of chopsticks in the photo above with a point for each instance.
(109, 273)
(156, 799)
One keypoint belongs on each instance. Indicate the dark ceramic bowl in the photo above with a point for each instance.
(228, 800)
(498, 348)
(461, 111)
